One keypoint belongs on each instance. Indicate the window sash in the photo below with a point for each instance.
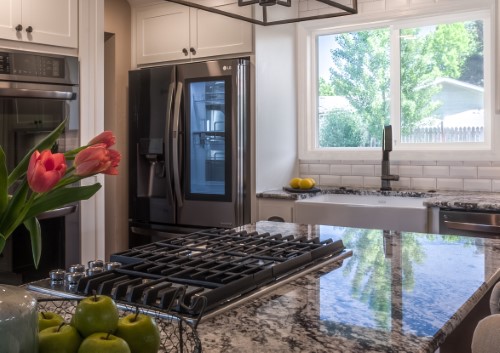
(308, 130)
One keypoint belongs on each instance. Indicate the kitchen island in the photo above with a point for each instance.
(398, 292)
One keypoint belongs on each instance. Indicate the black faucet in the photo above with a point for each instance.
(386, 165)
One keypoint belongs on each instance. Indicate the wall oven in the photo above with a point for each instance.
(37, 92)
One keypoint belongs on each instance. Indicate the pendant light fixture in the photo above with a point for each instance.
(273, 12)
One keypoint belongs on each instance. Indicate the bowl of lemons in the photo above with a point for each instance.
(301, 185)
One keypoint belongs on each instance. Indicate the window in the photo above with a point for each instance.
(429, 78)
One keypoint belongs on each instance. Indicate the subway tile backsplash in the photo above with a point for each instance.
(414, 175)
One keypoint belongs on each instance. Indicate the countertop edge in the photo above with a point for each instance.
(456, 200)
(463, 311)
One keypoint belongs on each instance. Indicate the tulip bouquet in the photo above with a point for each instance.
(43, 181)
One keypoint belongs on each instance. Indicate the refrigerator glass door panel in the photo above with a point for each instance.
(208, 145)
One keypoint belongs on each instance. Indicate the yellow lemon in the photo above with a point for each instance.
(312, 181)
(295, 183)
(306, 184)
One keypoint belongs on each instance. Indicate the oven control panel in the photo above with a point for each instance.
(31, 65)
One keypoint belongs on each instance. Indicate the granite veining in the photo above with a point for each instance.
(398, 292)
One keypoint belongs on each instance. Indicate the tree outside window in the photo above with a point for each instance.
(441, 85)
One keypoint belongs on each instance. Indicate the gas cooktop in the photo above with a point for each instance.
(202, 274)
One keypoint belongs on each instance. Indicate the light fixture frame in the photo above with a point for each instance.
(346, 10)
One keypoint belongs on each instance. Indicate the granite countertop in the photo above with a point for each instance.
(398, 292)
(458, 200)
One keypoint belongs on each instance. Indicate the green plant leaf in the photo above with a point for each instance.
(2, 242)
(46, 143)
(13, 215)
(4, 192)
(61, 197)
(33, 226)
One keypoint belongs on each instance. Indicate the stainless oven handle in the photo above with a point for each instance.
(476, 227)
(36, 93)
(175, 144)
(58, 212)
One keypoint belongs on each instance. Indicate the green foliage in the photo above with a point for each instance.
(325, 88)
(340, 128)
(361, 74)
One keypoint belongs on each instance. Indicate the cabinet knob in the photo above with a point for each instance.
(19, 28)
(29, 29)
(192, 50)
(184, 50)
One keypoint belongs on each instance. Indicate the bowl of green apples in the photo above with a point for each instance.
(97, 324)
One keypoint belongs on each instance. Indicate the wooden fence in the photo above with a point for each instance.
(442, 134)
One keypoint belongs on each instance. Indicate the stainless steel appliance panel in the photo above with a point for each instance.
(151, 197)
(189, 140)
(215, 129)
(469, 223)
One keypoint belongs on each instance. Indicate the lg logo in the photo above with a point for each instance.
(227, 67)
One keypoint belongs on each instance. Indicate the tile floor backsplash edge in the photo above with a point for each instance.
(413, 175)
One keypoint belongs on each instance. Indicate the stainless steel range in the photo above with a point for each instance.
(202, 274)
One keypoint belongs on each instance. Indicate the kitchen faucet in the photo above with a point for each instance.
(386, 165)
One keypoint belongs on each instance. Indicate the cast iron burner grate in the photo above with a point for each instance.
(204, 271)
(224, 263)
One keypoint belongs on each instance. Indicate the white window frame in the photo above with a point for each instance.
(307, 84)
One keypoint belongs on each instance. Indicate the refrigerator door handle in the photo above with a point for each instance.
(175, 144)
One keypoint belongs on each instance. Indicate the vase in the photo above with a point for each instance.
(18, 320)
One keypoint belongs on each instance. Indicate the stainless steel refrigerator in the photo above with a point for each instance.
(189, 148)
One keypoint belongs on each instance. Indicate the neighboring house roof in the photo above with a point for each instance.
(451, 81)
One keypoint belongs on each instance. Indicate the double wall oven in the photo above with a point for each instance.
(37, 92)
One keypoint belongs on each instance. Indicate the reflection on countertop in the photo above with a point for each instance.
(399, 292)
(458, 200)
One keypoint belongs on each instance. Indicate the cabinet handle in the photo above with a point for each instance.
(192, 50)
(19, 28)
(184, 50)
(29, 29)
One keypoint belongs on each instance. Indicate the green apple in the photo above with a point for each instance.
(59, 339)
(103, 343)
(97, 313)
(48, 319)
(140, 332)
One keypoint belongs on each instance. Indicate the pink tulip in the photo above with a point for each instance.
(97, 159)
(105, 137)
(45, 170)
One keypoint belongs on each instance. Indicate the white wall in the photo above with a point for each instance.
(276, 109)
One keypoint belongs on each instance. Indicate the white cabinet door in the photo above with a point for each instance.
(53, 22)
(10, 17)
(170, 32)
(162, 33)
(213, 34)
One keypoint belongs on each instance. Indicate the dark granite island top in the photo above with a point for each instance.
(399, 292)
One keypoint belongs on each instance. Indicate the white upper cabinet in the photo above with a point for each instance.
(168, 32)
(53, 22)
